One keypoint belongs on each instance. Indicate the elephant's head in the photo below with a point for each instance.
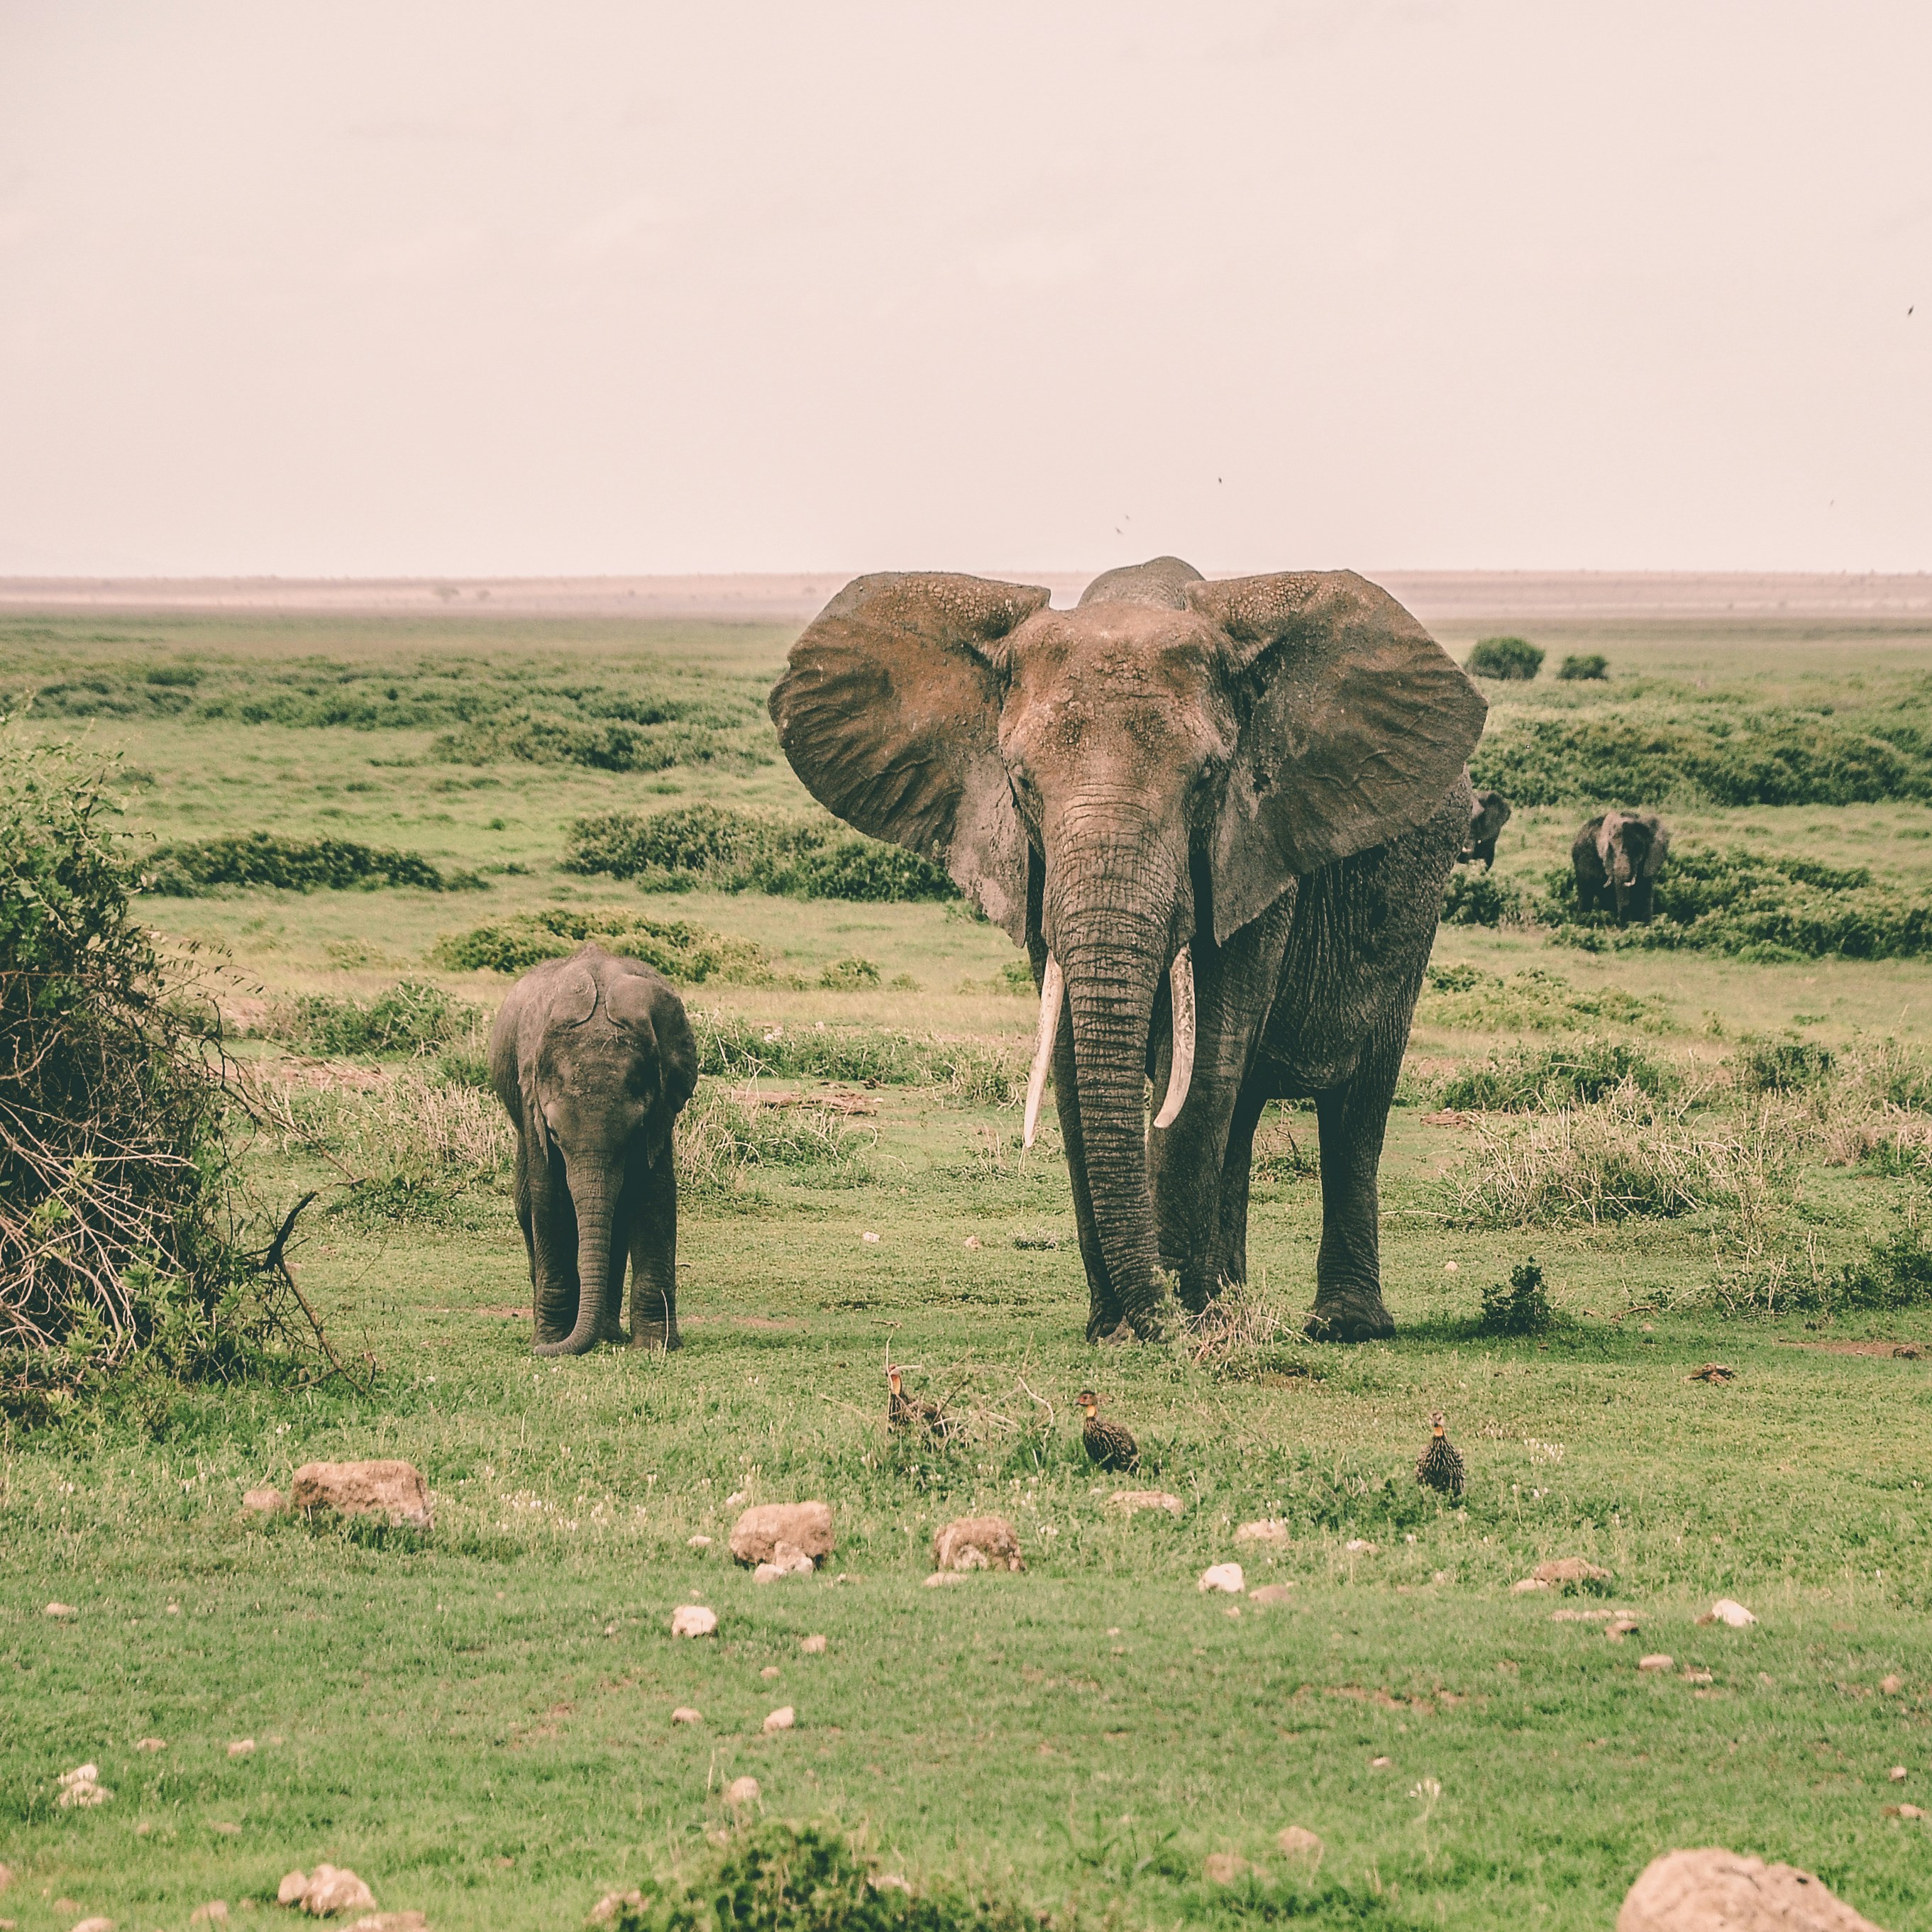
(1154, 768)
(1630, 847)
(611, 1062)
(1488, 815)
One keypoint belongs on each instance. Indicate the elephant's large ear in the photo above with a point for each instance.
(889, 710)
(1356, 724)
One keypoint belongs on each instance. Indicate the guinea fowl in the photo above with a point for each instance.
(1108, 1445)
(905, 1412)
(1439, 1467)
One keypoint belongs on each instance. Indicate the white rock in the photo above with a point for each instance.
(1896, 1774)
(214, 1912)
(152, 1744)
(1225, 1868)
(1298, 1841)
(242, 1748)
(782, 1719)
(1274, 1530)
(685, 1715)
(741, 1791)
(693, 1620)
(972, 1244)
(1225, 1577)
(1728, 1610)
(60, 1610)
(691, 1543)
(80, 1788)
(790, 1563)
(607, 1907)
(1657, 1660)
(1712, 1890)
(868, 1237)
(940, 1578)
(813, 1646)
(1359, 1546)
(96, 1925)
(293, 1885)
(1450, 1268)
(334, 1889)
(1132, 1500)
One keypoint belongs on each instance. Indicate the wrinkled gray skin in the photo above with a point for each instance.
(1267, 771)
(593, 1057)
(1618, 855)
(1488, 815)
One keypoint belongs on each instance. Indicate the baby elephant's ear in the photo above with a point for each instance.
(889, 710)
(1357, 724)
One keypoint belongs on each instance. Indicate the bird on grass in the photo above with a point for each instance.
(1108, 1445)
(913, 1413)
(1438, 1467)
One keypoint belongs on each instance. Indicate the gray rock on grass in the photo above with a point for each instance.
(779, 1534)
(977, 1542)
(393, 1490)
(1712, 1890)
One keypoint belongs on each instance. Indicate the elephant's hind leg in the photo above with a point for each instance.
(1348, 1305)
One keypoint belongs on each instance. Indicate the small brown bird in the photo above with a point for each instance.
(1438, 1467)
(906, 1412)
(1108, 1445)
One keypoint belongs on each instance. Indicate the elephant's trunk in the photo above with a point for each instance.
(596, 1213)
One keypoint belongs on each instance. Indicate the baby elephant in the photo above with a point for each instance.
(592, 1057)
(1487, 816)
(1618, 855)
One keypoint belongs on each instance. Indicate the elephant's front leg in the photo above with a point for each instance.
(1348, 1305)
(654, 1257)
(551, 1228)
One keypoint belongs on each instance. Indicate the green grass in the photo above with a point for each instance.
(1082, 1737)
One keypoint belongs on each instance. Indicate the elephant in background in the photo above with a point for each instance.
(1487, 816)
(1617, 856)
(593, 1057)
(1219, 817)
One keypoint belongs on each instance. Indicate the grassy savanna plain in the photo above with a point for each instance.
(479, 1720)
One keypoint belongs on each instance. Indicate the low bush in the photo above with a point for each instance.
(1480, 899)
(1893, 1275)
(1466, 997)
(1757, 907)
(1741, 759)
(849, 975)
(1623, 1159)
(785, 1877)
(722, 1139)
(1784, 1067)
(973, 1075)
(1520, 1308)
(189, 869)
(1578, 1074)
(1586, 666)
(727, 850)
(413, 1016)
(603, 744)
(1514, 659)
(678, 948)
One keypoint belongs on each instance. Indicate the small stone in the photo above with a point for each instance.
(1450, 1268)
(1896, 1774)
(940, 1578)
(792, 1563)
(1273, 1530)
(214, 1912)
(264, 1501)
(1359, 1546)
(242, 1748)
(1131, 1500)
(685, 1715)
(813, 1646)
(1657, 1660)
(1225, 1868)
(607, 1907)
(60, 1610)
(390, 1922)
(770, 1671)
(1892, 1686)
(741, 1791)
(1726, 1610)
(771, 1532)
(151, 1745)
(1902, 1811)
(1381, 1764)
(691, 1543)
(1298, 1841)
(81, 1790)
(289, 1891)
(782, 1719)
(1712, 1890)
(1620, 1628)
(94, 1924)
(869, 1237)
(1225, 1577)
(334, 1889)
(1698, 1677)
(693, 1620)
(977, 1542)
(394, 1490)
(1266, 1595)
(972, 1244)
(1567, 1571)
(1528, 1584)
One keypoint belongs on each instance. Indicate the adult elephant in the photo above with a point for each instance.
(1219, 816)
(1616, 857)
(593, 1057)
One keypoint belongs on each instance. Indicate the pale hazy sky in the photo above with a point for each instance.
(405, 289)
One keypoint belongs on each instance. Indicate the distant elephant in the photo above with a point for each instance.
(1219, 816)
(593, 1057)
(1487, 816)
(1618, 855)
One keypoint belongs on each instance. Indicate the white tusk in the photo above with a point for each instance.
(1180, 1068)
(1052, 990)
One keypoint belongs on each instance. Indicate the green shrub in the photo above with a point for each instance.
(1536, 998)
(1480, 899)
(1895, 1274)
(722, 1138)
(1588, 665)
(186, 870)
(1737, 759)
(1566, 1076)
(410, 1017)
(732, 851)
(782, 1877)
(1515, 659)
(115, 1241)
(1785, 1067)
(680, 950)
(849, 975)
(1522, 1308)
(603, 744)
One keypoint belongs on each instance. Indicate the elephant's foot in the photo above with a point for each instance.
(1359, 1319)
(656, 1335)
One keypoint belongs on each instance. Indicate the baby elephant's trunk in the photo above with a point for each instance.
(594, 1216)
